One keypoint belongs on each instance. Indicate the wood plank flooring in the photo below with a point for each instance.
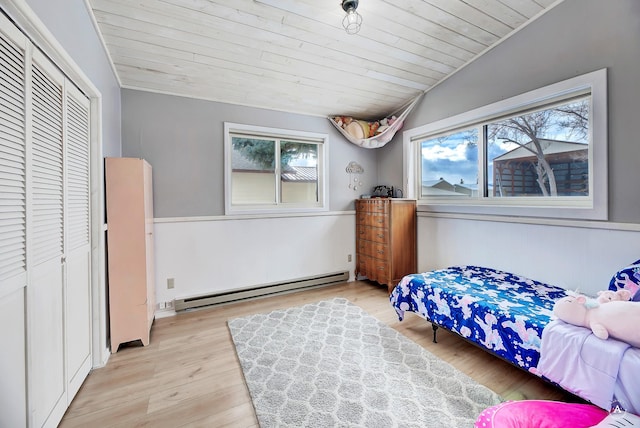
(189, 374)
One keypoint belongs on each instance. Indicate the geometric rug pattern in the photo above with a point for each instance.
(330, 364)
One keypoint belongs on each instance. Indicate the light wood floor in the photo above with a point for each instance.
(189, 374)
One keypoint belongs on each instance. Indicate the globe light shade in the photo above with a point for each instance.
(352, 20)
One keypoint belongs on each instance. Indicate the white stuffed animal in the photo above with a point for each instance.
(618, 319)
(611, 296)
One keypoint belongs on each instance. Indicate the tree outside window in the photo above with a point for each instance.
(273, 170)
(541, 153)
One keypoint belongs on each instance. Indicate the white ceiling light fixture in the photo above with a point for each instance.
(352, 20)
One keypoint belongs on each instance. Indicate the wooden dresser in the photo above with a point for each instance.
(386, 239)
(130, 249)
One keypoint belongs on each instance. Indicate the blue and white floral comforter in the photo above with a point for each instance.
(500, 311)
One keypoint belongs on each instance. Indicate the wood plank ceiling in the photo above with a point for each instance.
(294, 55)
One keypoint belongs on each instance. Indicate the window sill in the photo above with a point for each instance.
(586, 211)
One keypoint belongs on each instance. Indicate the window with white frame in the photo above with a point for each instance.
(543, 153)
(273, 170)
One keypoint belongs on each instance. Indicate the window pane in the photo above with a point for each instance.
(543, 153)
(450, 165)
(299, 177)
(253, 171)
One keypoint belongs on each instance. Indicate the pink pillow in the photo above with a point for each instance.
(540, 414)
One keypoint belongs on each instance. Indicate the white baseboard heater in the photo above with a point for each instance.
(261, 290)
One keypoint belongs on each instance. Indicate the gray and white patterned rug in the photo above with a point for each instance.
(330, 364)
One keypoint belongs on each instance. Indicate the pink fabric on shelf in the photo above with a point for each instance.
(540, 414)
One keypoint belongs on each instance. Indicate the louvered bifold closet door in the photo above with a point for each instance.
(77, 169)
(13, 211)
(47, 383)
(12, 164)
(77, 242)
(47, 163)
(45, 245)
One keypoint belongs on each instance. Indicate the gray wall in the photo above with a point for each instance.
(71, 25)
(576, 37)
(183, 140)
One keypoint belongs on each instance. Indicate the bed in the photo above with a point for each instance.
(511, 316)
(499, 311)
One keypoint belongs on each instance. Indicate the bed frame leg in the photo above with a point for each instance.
(435, 328)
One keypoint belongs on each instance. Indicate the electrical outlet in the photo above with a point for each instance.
(171, 283)
(165, 305)
(349, 257)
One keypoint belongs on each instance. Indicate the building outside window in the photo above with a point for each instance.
(273, 170)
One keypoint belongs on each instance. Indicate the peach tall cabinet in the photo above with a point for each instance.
(128, 185)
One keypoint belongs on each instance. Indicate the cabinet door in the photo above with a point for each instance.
(126, 249)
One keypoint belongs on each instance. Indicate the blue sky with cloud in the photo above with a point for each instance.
(455, 157)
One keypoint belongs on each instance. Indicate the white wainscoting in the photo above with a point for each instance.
(573, 255)
(216, 254)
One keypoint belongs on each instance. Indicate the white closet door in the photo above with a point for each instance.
(13, 276)
(45, 304)
(77, 243)
(45, 247)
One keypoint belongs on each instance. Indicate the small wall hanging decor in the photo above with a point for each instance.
(354, 169)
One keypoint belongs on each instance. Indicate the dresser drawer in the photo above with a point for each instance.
(372, 249)
(373, 219)
(376, 205)
(374, 234)
(379, 206)
(374, 269)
